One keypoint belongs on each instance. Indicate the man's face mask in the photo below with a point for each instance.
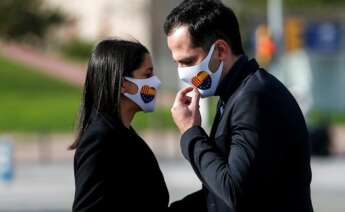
(145, 96)
(201, 76)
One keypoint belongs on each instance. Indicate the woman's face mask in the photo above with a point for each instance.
(201, 77)
(145, 95)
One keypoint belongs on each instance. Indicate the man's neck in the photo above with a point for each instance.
(228, 64)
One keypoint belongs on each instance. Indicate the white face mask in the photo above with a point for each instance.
(201, 76)
(145, 97)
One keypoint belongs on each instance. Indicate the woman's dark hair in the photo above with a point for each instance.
(207, 21)
(109, 62)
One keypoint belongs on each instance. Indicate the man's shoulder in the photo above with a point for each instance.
(262, 81)
(263, 86)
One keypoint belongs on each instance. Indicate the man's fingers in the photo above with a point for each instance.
(187, 100)
(182, 93)
(195, 99)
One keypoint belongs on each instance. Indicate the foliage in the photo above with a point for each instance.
(77, 49)
(32, 102)
(27, 19)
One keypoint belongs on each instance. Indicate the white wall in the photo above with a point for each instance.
(104, 18)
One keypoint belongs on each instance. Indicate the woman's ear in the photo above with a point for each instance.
(123, 86)
(128, 87)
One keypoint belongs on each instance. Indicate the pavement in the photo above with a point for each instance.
(49, 187)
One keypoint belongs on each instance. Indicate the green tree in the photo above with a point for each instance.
(27, 19)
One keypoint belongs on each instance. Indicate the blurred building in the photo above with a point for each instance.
(139, 19)
(92, 20)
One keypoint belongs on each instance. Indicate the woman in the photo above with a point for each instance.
(114, 168)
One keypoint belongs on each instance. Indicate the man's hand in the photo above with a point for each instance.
(185, 110)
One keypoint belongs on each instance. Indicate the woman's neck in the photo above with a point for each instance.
(127, 114)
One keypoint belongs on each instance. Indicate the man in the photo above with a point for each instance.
(256, 157)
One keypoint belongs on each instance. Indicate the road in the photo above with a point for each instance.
(50, 187)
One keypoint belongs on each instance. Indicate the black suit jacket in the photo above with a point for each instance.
(116, 171)
(257, 155)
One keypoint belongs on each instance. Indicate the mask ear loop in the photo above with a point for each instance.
(132, 88)
(208, 58)
(210, 53)
(213, 70)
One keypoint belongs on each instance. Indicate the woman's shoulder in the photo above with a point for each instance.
(98, 144)
(100, 131)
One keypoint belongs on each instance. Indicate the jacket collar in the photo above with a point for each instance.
(237, 73)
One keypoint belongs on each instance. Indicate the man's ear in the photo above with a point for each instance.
(220, 53)
(223, 49)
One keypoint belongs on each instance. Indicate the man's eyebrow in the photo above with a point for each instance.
(150, 68)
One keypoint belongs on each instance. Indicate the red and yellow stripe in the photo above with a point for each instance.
(199, 78)
(147, 90)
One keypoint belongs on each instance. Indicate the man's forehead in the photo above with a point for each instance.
(180, 44)
(179, 38)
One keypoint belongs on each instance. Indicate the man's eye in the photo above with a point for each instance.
(186, 63)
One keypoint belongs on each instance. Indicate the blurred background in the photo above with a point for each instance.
(44, 48)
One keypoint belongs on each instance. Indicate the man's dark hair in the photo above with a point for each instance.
(207, 21)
